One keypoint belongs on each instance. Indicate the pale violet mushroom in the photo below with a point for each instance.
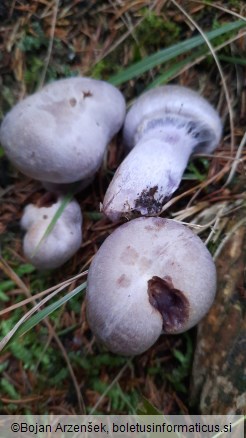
(61, 243)
(164, 127)
(59, 134)
(150, 276)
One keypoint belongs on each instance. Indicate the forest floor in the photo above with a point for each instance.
(57, 366)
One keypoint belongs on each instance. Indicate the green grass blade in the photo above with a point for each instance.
(42, 314)
(169, 53)
(175, 69)
(233, 59)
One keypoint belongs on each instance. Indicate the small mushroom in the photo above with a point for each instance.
(61, 243)
(164, 127)
(150, 276)
(59, 134)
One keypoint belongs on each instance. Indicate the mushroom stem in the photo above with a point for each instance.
(153, 170)
(164, 127)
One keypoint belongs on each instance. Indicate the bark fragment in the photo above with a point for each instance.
(219, 369)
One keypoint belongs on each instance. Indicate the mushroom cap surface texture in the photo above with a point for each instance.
(62, 242)
(150, 276)
(59, 134)
(174, 101)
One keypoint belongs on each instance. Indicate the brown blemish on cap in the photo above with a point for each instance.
(157, 224)
(129, 256)
(72, 101)
(123, 281)
(170, 302)
(144, 264)
(87, 94)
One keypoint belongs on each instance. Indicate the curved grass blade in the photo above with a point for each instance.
(67, 198)
(169, 53)
(36, 319)
(18, 330)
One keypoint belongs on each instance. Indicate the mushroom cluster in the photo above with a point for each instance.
(153, 275)
(59, 135)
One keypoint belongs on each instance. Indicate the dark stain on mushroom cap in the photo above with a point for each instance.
(157, 224)
(87, 94)
(72, 101)
(170, 302)
(129, 256)
(123, 281)
(144, 264)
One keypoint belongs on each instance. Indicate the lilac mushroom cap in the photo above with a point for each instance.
(150, 276)
(163, 128)
(62, 242)
(59, 134)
